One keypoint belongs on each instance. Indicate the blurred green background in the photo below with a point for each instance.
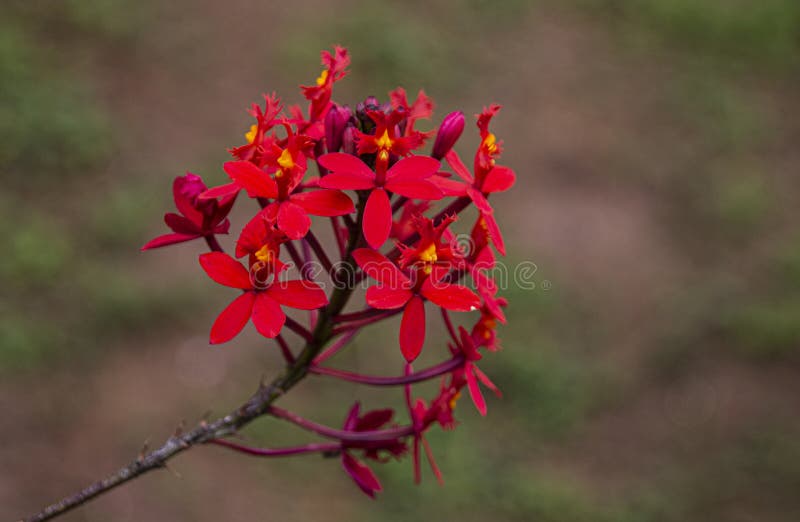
(652, 373)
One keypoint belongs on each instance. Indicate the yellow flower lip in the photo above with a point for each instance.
(285, 160)
(323, 77)
(250, 136)
(264, 254)
(429, 254)
(490, 142)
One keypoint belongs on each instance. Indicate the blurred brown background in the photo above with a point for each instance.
(652, 373)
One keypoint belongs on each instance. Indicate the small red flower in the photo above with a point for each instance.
(408, 177)
(469, 374)
(421, 108)
(395, 290)
(290, 209)
(361, 474)
(198, 217)
(335, 68)
(263, 294)
(388, 139)
(258, 141)
(488, 177)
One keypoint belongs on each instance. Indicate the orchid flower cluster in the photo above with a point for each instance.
(378, 190)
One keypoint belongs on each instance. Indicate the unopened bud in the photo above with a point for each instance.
(335, 123)
(449, 131)
(349, 140)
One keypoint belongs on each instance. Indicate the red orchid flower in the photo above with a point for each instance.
(290, 210)
(469, 373)
(263, 294)
(387, 139)
(423, 416)
(258, 141)
(484, 333)
(407, 177)
(361, 474)
(395, 290)
(488, 178)
(198, 217)
(421, 108)
(335, 68)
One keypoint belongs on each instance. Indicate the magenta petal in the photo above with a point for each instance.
(458, 167)
(474, 390)
(364, 478)
(377, 218)
(412, 329)
(182, 225)
(168, 239)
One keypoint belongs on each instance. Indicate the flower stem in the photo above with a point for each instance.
(343, 435)
(277, 452)
(213, 244)
(409, 378)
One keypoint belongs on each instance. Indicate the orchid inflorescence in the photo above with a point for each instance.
(375, 153)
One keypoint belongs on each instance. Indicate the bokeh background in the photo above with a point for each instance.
(651, 375)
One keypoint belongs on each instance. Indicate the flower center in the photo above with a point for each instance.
(285, 161)
(429, 254)
(264, 254)
(454, 400)
(251, 135)
(490, 142)
(384, 144)
(323, 77)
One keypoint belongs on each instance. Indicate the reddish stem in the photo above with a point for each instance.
(213, 244)
(356, 325)
(315, 245)
(277, 452)
(335, 347)
(449, 324)
(409, 378)
(366, 313)
(337, 234)
(343, 435)
(285, 350)
(298, 328)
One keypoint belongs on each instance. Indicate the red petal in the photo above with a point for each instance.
(168, 239)
(349, 181)
(225, 270)
(227, 190)
(413, 168)
(268, 317)
(415, 189)
(458, 166)
(372, 420)
(293, 220)
(377, 218)
(499, 179)
(231, 321)
(184, 204)
(475, 390)
(352, 417)
(486, 381)
(255, 181)
(452, 297)
(386, 297)
(494, 233)
(346, 171)
(181, 225)
(378, 267)
(305, 295)
(324, 202)
(364, 478)
(432, 461)
(412, 329)
(480, 200)
(449, 187)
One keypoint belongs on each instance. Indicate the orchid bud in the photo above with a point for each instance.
(349, 140)
(335, 122)
(371, 103)
(449, 131)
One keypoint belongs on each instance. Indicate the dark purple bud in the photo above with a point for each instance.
(335, 123)
(349, 140)
(449, 131)
(369, 104)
